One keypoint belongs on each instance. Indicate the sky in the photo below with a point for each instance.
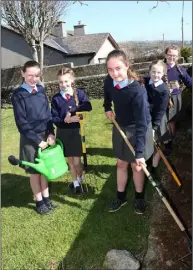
(127, 20)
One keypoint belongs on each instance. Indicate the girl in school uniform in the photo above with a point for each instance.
(131, 111)
(177, 76)
(33, 120)
(158, 98)
(64, 106)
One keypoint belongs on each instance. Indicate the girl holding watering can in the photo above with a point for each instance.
(64, 106)
(33, 120)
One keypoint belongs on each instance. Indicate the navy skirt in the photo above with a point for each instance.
(71, 140)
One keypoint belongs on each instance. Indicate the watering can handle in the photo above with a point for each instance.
(57, 141)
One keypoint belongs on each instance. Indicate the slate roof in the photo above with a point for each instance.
(89, 43)
(74, 45)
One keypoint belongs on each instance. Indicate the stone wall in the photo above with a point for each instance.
(92, 83)
(12, 77)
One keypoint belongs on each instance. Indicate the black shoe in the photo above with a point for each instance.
(139, 206)
(50, 205)
(42, 209)
(116, 204)
(78, 190)
(71, 185)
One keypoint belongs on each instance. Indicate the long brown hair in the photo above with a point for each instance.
(132, 75)
(64, 71)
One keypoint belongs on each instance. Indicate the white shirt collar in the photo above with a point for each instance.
(156, 83)
(69, 91)
(28, 87)
(123, 84)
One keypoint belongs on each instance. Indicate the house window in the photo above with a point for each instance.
(102, 60)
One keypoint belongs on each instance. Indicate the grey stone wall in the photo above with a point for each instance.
(92, 83)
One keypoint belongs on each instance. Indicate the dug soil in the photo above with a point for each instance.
(168, 247)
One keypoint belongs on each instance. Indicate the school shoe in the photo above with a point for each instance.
(116, 204)
(71, 186)
(42, 209)
(139, 206)
(78, 190)
(50, 205)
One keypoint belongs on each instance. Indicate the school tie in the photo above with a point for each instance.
(67, 96)
(117, 86)
(33, 91)
(153, 85)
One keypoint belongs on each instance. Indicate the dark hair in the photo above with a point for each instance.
(173, 47)
(122, 56)
(64, 71)
(29, 64)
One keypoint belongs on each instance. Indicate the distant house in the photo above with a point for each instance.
(60, 47)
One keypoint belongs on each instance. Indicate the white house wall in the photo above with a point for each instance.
(103, 52)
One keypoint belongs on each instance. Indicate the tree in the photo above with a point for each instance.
(34, 20)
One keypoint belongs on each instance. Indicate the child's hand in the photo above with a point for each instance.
(175, 85)
(75, 119)
(51, 139)
(110, 115)
(43, 145)
(67, 118)
(139, 162)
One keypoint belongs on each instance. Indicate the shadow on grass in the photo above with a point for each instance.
(16, 191)
(105, 152)
(103, 231)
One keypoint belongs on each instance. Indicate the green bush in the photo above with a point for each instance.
(186, 52)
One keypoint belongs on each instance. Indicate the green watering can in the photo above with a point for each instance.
(50, 162)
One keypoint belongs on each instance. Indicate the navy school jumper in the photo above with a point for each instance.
(32, 113)
(131, 108)
(60, 106)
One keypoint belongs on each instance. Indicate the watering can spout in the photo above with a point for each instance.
(39, 167)
(50, 162)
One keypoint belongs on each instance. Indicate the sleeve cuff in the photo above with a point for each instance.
(139, 155)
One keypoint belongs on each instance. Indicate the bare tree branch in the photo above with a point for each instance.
(80, 2)
(157, 5)
(34, 20)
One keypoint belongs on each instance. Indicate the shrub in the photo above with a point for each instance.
(186, 52)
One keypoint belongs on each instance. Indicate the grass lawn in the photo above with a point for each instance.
(80, 230)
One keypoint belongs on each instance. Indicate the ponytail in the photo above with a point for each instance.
(165, 80)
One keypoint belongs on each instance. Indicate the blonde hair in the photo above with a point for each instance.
(122, 57)
(164, 78)
(69, 71)
(159, 63)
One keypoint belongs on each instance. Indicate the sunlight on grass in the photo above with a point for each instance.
(81, 229)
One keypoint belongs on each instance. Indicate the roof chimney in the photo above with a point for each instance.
(79, 29)
(59, 29)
